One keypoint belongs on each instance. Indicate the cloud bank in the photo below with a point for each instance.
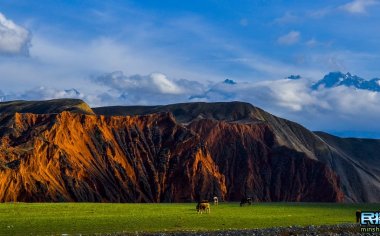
(155, 88)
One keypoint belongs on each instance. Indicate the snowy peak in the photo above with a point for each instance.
(72, 92)
(229, 81)
(294, 77)
(335, 79)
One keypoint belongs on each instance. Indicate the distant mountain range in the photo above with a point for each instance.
(336, 79)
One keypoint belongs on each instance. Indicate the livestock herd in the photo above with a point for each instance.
(203, 206)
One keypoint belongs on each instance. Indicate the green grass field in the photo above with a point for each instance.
(91, 218)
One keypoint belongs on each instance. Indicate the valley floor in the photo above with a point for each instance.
(105, 218)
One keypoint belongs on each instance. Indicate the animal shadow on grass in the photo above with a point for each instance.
(191, 210)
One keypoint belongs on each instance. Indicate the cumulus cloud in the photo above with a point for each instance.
(42, 93)
(358, 6)
(289, 39)
(14, 39)
(155, 82)
(157, 88)
(164, 85)
(284, 94)
(146, 89)
(50, 93)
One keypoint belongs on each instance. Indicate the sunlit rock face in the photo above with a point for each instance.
(76, 157)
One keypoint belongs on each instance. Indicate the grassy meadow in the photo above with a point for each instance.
(93, 218)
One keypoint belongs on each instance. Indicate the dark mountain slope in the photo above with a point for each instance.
(357, 160)
(360, 182)
(45, 107)
(254, 165)
(186, 112)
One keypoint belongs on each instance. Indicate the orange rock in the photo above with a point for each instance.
(75, 157)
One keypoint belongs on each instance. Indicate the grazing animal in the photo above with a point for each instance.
(216, 201)
(203, 206)
(199, 202)
(246, 200)
(358, 216)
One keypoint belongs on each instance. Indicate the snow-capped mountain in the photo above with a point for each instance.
(229, 81)
(335, 79)
(294, 77)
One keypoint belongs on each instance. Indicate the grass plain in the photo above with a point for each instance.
(97, 218)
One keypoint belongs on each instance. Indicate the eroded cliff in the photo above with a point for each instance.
(76, 157)
(151, 158)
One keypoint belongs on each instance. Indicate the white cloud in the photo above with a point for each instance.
(289, 39)
(164, 85)
(286, 19)
(153, 83)
(358, 6)
(352, 7)
(287, 95)
(155, 88)
(159, 89)
(14, 39)
(44, 93)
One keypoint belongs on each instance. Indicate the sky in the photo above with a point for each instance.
(158, 52)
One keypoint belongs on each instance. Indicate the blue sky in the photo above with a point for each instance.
(157, 52)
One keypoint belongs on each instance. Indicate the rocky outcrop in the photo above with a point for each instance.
(76, 157)
(353, 161)
(247, 155)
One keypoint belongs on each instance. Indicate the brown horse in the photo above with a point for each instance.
(203, 206)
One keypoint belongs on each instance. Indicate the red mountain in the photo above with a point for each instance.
(65, 151)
